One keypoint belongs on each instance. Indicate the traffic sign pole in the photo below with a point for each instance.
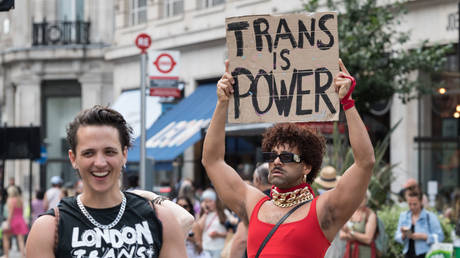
(143, 42)
(142, 93)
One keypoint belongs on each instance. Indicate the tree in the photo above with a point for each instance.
(373, 50)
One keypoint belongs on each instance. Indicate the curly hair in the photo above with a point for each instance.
(100, 115)
(310, 145)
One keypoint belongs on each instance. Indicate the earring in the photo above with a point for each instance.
(305, 178)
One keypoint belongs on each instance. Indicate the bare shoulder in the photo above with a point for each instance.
(173, 238)
(40, 242)
(253, 197)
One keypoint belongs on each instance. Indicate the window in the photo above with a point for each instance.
(439, 125)
(71, 10)
(203, 4)
(61, 100)
(173, 7)
(138, 12)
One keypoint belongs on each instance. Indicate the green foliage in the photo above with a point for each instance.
(390, 216)
(373, 50)
(380, 184)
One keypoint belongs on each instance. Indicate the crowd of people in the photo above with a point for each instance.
(274, 215)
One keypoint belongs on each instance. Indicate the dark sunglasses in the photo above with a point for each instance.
(285, 157)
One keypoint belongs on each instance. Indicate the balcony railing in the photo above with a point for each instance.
(60, 33)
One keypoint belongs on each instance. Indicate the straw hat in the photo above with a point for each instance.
(327, 177)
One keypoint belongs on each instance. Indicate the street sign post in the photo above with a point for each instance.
(143, 42)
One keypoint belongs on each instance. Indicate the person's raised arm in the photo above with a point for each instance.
(229, 186)
(40, 242)
(335, 207)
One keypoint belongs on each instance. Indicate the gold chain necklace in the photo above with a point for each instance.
(292, 198)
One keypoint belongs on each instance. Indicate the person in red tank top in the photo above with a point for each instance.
(294, 153)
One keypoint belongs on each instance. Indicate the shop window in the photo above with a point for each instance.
(138, 12)
(439, 131)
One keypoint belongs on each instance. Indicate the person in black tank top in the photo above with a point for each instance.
(103, 221)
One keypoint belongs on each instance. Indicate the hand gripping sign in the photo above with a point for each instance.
(283, 67)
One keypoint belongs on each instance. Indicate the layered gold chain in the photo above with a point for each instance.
(290, 199)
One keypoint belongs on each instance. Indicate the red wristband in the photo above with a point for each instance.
(346, 102)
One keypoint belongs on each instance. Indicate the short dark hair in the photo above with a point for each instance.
(100, 115)
(311, 146)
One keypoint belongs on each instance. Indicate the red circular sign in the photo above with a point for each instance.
(143, 41)
(165, 63)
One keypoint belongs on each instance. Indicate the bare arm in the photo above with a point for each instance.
(45, 203)
(40, 242)
(198, 233)
(173, 241)
(183, 216)
(335, 207)
(368, 235)
(240, 240)
(10, 206)
(233, 191)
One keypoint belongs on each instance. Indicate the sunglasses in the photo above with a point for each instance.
(285, 157)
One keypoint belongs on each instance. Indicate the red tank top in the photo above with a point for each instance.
(298, 239)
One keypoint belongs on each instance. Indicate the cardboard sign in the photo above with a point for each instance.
(283, 67)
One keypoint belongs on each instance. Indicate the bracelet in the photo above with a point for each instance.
(346, 102)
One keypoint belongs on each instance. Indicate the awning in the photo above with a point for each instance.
(128, 104)
(178, 128)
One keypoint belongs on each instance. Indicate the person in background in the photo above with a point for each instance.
(16, 224)
(38, 207)
(411, 185)
(327, 180)
(359, 232)
(186, 189)
(240, 239)
(133, 183)
(210, 231)
(417, 228)
(453, 212)
(11, 183)
(193, 250)
(54, 194)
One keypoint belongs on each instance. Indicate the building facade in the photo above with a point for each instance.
(426, 144)
(52, 66)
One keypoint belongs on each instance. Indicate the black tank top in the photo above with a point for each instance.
(138, 234)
